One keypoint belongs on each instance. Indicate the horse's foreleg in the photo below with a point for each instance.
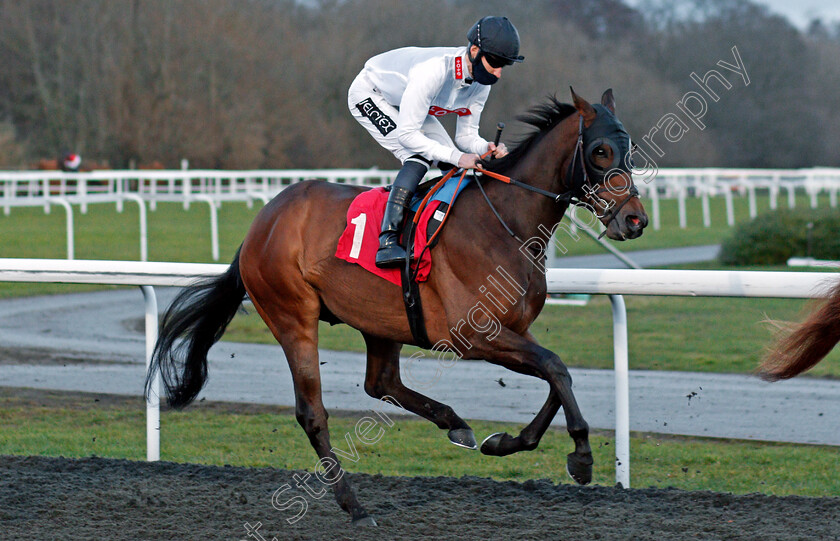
(503, 444)
(521, 355)
(382, 380)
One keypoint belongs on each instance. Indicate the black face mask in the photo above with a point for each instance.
(480, 73)
(607, 130)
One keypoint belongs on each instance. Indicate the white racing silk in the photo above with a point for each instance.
(419, 82)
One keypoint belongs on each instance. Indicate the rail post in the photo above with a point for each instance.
(71, 250)
(144, 236)
(214, 224)
(153, 399)
(622, 393)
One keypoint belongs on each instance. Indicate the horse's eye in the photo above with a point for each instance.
(600, 152)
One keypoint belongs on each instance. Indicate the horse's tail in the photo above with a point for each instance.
(194, 321)
(805, 345)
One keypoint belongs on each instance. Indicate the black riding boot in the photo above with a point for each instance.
(390, 253)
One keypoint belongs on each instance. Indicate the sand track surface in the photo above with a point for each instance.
(96, 498)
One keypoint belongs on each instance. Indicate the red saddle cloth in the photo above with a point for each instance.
(360, 240)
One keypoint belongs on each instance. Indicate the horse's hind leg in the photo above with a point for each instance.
(382, 380)
(298, 334)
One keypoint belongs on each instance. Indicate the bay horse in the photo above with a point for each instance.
(287, 266)
(800, 348)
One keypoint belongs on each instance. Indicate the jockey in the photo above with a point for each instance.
(398, 94)
(70, 162)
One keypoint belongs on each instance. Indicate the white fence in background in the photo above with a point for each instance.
(811, 262)
(614, 283)
(212, 187)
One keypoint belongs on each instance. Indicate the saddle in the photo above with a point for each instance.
(360, 240)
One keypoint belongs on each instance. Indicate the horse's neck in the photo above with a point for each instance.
(528, 213)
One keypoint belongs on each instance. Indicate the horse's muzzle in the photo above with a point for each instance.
(627, 226)
(635, 225)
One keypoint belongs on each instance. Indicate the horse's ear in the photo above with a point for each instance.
(608, 100)
(584, 108)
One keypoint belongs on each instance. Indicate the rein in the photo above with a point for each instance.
(567, 197)
(571, 197)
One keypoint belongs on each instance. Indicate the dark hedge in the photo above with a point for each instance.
(774, 237)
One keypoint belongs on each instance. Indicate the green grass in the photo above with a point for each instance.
(103, 233)
(270, 437)
(176, 234)
(672, 236)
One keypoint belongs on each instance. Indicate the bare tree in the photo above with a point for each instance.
(262, 83)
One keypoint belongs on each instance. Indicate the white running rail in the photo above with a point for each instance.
(612, 282)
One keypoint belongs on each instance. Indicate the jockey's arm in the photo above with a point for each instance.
(424, 82)
(466, 127)
(466, 131)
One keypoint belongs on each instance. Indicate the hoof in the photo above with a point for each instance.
(498, 444)
(365, 521)
(491, 443)
(463, 437)
(579, 468)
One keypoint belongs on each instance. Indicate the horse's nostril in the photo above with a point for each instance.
(634, 221)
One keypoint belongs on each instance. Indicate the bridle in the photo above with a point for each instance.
(606, 129)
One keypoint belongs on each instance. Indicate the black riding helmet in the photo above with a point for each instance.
(498, 37)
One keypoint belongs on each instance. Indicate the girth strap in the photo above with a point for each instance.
(411, 293)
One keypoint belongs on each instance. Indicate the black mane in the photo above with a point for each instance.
(543, 118)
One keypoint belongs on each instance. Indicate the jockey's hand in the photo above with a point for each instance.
(468, 161)
(499, 151)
